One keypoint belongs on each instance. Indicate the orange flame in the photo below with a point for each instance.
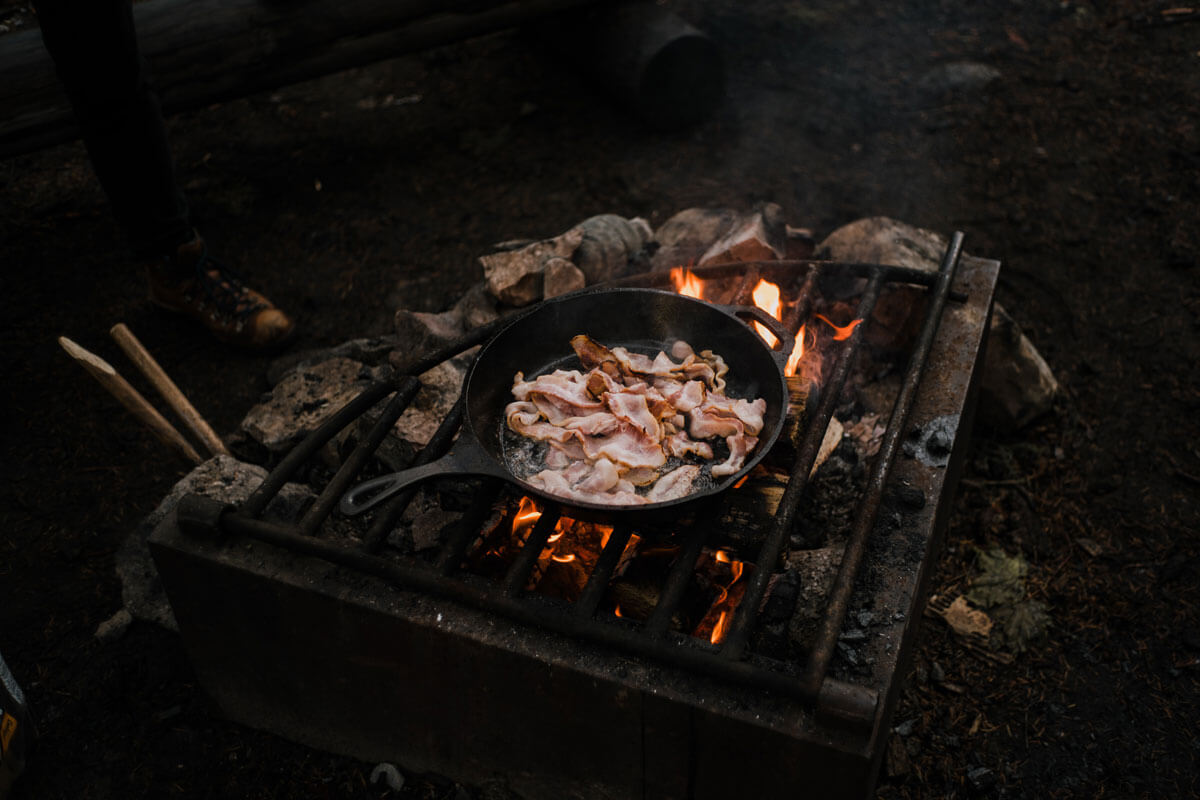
(564, 559)
(617, 610)
(766, 296)
(686, 283)
(725, 615)
(527, 514)
(793, 362)
(840, 333)
(720, 628)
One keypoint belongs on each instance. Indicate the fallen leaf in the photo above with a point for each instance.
(1026, 622)
(1002, 581)
(966, 620)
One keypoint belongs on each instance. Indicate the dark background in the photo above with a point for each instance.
(1077, 168)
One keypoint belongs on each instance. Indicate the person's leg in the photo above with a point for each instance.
(95, 51)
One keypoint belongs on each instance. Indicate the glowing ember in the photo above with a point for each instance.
(766, 296)
(840, 332)
(563, 559)
(686, 283)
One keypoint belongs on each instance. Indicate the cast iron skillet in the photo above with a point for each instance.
(641, 320)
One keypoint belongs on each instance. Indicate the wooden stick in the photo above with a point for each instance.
(166, 387)
(129, 397)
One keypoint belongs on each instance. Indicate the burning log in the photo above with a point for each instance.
(600, 248)
(705, 235)
(515, 276)
(760, 235)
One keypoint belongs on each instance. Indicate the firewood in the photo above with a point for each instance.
(167, 389)
(759, 236)
(130, 397)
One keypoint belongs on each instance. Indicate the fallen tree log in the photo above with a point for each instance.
(207, 51)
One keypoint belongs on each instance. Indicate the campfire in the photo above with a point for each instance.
(772, 614)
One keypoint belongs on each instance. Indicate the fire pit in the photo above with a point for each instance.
(740, 650)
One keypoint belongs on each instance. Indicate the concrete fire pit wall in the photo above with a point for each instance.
(344, 663)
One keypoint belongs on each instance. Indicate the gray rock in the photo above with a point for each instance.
(440, 388)
(419, 333)
(562, 277)
(373, 351)
(114, 627)
(477, 307)
(1017, 384)
(221, 477)
(305, 398)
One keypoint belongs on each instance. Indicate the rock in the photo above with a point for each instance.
(477, 307)
(372, 351)
(612, 247)
(561, 277)
(304, 399)
(389, 775)
(760, 235)
(882, 240)
(1017, 384)
(114, 627)
(685, 237)
(800, 243)
(419, 332)
(515, 276)
(440, 388)
(221, 477)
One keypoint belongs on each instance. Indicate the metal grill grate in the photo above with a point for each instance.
(836, 700)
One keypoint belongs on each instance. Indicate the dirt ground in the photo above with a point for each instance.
(1076, 166)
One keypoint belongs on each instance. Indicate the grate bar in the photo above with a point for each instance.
(324, 504)
(455, 548)
(536, 613)
(891, 273)
(522, 566)
(610, 556)
(746, 615)
(843, 586)
(677, 579)
(288, 466)
(390, 511)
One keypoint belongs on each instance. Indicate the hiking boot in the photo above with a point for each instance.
(191, 283)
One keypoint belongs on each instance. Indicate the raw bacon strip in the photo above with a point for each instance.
(675, 484)
(626, 447)
(681, 445)
(559, 395)
(612, 428)
(739, 447)
(524, 418)
(632, 408)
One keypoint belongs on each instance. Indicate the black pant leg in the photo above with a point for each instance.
(96, 54)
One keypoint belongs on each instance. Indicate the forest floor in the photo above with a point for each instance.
(1076, 165)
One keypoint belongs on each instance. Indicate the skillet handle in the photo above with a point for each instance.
(462, 460)
(787, 341)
